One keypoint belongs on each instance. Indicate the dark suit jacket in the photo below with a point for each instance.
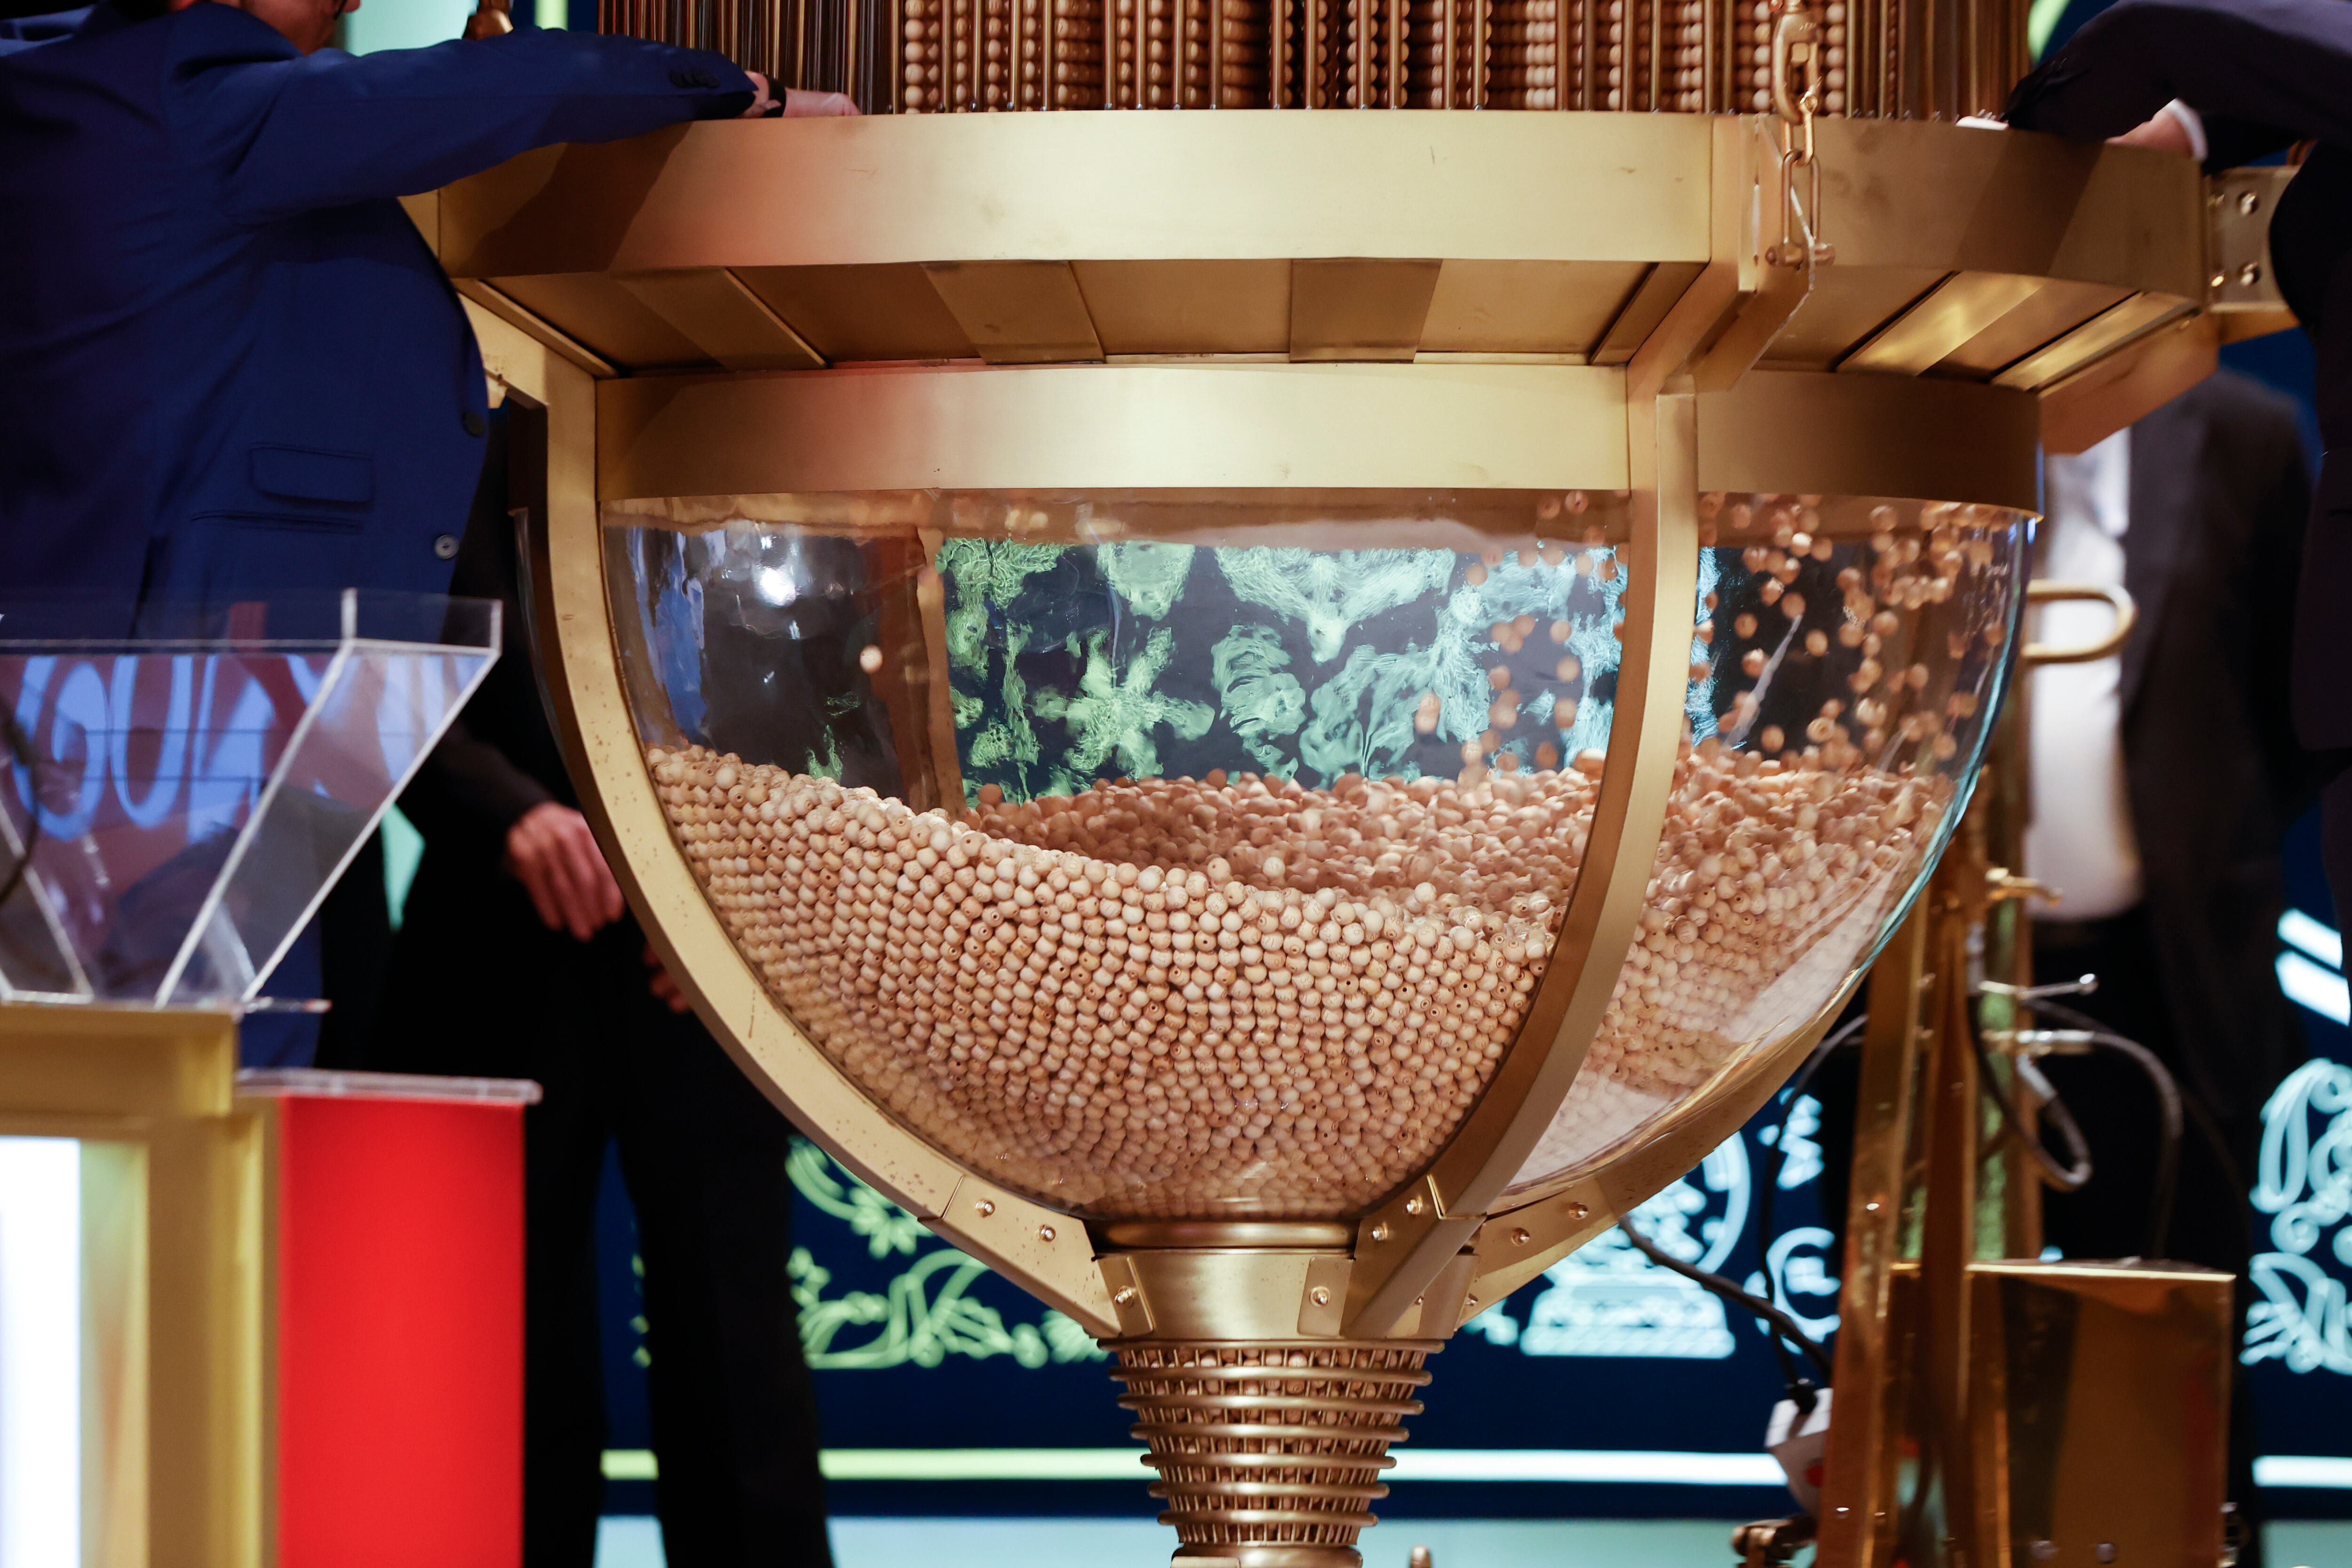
(2219, 495)
(2262, 73)
(229, 366)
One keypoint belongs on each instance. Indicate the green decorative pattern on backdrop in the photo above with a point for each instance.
(927, 1312)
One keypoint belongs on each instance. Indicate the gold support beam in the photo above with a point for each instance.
(712, 309)
(1043, 1252)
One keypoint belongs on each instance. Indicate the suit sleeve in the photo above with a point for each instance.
(283, 134)
(469, 792)
(2270, 70)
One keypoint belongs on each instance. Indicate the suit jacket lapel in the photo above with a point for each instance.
(2166, 466)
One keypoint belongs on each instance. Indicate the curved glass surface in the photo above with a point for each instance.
(1846, 659)
(1171, 855)
(1153, 855)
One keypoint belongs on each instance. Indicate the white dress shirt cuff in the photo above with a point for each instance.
(2193, 125)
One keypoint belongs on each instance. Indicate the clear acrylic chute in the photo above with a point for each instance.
(174, 807)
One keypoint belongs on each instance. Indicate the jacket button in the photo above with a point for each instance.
(686, 77)
(474, 423)
(445, 547)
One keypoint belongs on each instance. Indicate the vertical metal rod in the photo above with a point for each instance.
(1658, 54)
(1110, 53)
(890, 67)
(1907, 22)
(1931, 58)
(1479, 19)
(850, 29)
(1217, 54)
(1049, 55)
(1884, 26)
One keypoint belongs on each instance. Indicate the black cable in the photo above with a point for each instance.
(2070, 1178)
(2165, 1188)
(1781, 1322)
(21, 748)
(1777, 1159)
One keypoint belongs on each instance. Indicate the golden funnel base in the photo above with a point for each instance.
(1270, 1453)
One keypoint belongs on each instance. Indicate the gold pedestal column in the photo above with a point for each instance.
(173, 1437)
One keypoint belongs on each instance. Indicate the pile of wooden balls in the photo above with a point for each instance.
(1197, 997)
(1773, 879)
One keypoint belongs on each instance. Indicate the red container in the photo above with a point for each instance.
(396, 1277)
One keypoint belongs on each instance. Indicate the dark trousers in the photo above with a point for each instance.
(478, 987)
(2116, 1107)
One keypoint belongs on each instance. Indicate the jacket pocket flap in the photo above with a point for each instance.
(301, 474)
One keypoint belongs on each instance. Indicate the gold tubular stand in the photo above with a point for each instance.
(1992, 1408)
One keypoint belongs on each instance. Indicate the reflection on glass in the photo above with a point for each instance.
(173, 809)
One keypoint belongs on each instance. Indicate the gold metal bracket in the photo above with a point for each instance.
(1025, 1241)
(2242, 289)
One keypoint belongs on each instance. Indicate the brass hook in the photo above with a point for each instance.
(2106, 647)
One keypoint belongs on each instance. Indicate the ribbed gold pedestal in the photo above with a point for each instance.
(1270, 1454)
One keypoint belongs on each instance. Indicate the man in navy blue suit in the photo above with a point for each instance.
(229, 366)
(230, 369)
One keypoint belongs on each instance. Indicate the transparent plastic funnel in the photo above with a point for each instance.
(173, 809)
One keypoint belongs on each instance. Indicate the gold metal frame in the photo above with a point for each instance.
(1688, 410)
(1217, 303)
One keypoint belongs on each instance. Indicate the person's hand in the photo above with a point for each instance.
(662, 984)
(2163, 133)
(799, 105)
(764, 101)
(552, 853)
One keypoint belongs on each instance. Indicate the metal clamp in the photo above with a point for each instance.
(2026, 995)
(1796, 69)
(2002, 884)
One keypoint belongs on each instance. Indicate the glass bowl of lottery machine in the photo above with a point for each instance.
(1269, 719)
